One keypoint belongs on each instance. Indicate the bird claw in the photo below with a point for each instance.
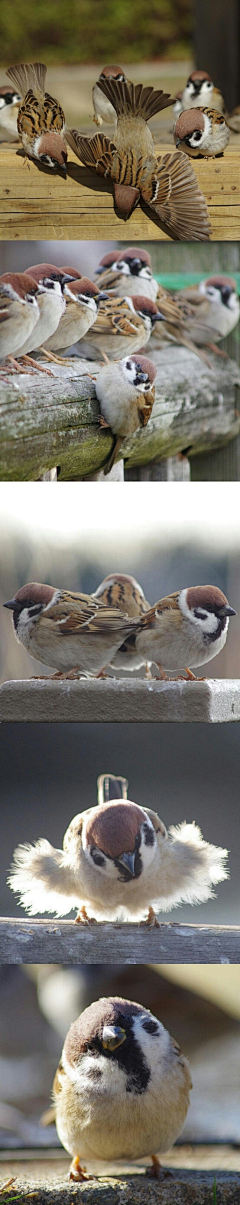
(102, 421)
(151, 920)
(82, 918)
(157, 1172)
(76, 1172)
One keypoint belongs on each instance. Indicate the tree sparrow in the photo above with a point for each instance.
(118, 862)
(125, 391)
(122, 591)
(123, 326)
(103, 110)
(51, 303)
(67, 631)
(41, 121)
(121, 1090)
(9, 106)
(184, 629)
(167, 184)
(234, 120)
(201, 132)
(213, 308)
(82, 298)
(200, 90)
(19, 311)
(127, 271)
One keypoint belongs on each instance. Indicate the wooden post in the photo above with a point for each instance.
(64, 941)
(217, 45)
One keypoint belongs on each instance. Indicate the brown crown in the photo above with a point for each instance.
(146, 365)
(110, 259)
(53, 144)
(218, 281)
(21, 282)
(110, 1010)
(199, 75)
(190, 120)
(113, 827)
(206, 596)
(6, 89)
(38, 271)
(35, 592)
(137, 253)
(111, 71)
(145, 303)
(83, 285)
(71, 272)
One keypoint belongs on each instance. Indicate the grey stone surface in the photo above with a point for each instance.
(125, 700)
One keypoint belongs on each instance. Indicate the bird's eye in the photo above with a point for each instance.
(96, 856)
(150, 1026)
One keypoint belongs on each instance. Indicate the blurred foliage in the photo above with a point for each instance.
(84, 31)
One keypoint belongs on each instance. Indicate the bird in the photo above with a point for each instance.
(19, 312)
(51, 303)
(234, 120)
(123, 326)
(103, 110)
(167, 184)
(212, 309)
(185, 629)
(123, 271)
(122, 591)
(82, 298)
(125, 391)
(201, 132)
(9, 106)
(118, 862)
(121, 1090)
(74, 633)
(41, 121)
(200, 90)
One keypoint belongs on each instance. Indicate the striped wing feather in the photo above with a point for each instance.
(133, 98)
(183, 209)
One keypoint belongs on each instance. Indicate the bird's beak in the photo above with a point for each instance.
(12, 604)
(158, 317)
(128, 860)
(113, 1036)
(226, 610)
(142, 376)
(178, 142)
(103, 297)
(63, 168)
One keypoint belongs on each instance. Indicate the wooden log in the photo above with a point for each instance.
(43, 1178)
(124, 700)
(36, 204)
(47, 421)
(64, 941)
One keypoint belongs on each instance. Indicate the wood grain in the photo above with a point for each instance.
(35, 204)
(64, 941)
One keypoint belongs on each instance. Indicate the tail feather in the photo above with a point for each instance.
(28, 75)
(183, 211)
(133, 98)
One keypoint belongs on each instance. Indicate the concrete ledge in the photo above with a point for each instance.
(44, 1180)
(125, 700)
(64, 941)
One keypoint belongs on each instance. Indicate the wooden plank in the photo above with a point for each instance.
(64, 941)
(123, 700)
(48, 421)
(34, 203)
(43, 1178)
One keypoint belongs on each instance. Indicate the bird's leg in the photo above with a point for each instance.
(148, 673)
(162, 673)
(105, 357)
(82, 917)
(102, 674)
(102, 421)
(56, 359)
(38, 367)
(157, 1172)
(192, 677)
(15, 366)
(77, 1172)
(218, 350)
(151, 920)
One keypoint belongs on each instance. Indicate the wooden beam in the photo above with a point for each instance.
(123, 700)
(48, 421)
(64, 941)
(36, 204)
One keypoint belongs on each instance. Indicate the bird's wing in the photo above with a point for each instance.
(115, 317)
(96, 152)
(145, 406)
(28, 75)
(174, 194)
(133, 98)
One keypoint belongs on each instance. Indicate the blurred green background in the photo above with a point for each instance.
(84, 31)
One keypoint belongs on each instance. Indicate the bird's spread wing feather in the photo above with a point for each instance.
(133, 98)
(96, 152)
(28, 75)
(173, 192)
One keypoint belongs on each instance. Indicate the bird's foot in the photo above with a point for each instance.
(151, 920)
(102, 421)
(14, 366)
(35, 365)
(77, 1172)
(55, 359)
(218, 350)
(157, 1172)
(148, 673)
(83, 918)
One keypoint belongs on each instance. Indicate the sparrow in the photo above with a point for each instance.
(233, 120)
(19, 311)
(212, 309)
(103, 110)
(51, 302)
(184, 629)
(118, 862)
(122, 591)
(67, 631)
(167, 184)
(200, 90)
(201, 132)
(123, 326)
(41, 121)
(125, 391)
(121, 1090)
(82, 298)
(9, 106)
(124, 271)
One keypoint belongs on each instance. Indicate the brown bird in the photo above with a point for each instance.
(167, 184)
(41, 120)
(123, 326)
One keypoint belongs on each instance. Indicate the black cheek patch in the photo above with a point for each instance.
(94, 1073)
(149, 835)
(150, 1026)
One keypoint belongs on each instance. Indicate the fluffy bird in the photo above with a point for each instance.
(183, 630)
(82, 298)
(103, 110)
(123, 326)
(167, 184)
(51, 302)
(201, 132)
(212, 309)
(126, 271)
(122, 591)
(19, 311)
(73, 633)
(200, 90)
(9, 106)
(121, 1090)
(118, 862)
(41, 121)
(125, 391)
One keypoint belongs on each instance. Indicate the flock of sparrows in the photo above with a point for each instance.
(83, 634)
(47, 310)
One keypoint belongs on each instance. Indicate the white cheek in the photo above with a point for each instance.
(154, 1046)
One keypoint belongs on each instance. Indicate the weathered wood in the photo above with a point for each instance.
(65, 941)
(175, 468)
(36, 204)
(217, 37)
(124, 700)
(223, 464)
(48, 421)
(43, 1178)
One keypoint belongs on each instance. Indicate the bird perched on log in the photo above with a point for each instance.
(125, 391)
(41, 121)
(19, 312)
(201, 132)
(121, 1090)
(82, 298)
(123, 326)
(126, 271)
(167, 184)
(118, 862)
